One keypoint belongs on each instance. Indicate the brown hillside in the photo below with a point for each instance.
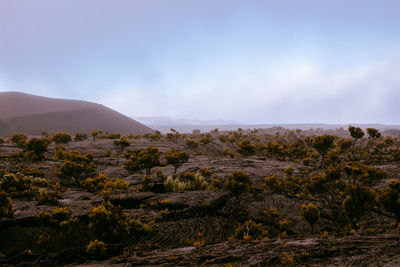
(34, 114)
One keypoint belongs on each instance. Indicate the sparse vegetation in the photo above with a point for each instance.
(243, 186)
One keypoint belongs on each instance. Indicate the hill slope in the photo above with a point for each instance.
(31, 114)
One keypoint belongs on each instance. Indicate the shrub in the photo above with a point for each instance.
(132, 164)
(36, 147)
(17, 182)
(359, 200)
(289, 171)
(121, 144)
(101, 182)
(287, 259)
(61, 138)
(390, 199)
(238, 183)
(251, 230)
(310, 213)
(274, 183)
(110, 224)
(274, 149)
(80, 137)
(373, 133)
(34, 172)
(230, 153)
(58, 230)
(19, 139)
(76, 166)
(176, 158)
(198, 183)
(205, 139)
(5, 205)
(148, 159)
(95, 134)
(111, 136)
(206, 172)
(216, 183)
(285, 224)
(174, 185)
(246, 148)
(48, 198)
(190, 143)
(356, 132)
(142, 159)
(322, 144)
(96, 249)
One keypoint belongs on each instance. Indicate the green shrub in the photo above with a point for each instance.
(61, 138)
(80, 137)
(76, 166)
(238, 183)
(246, 148)
(198, 183)
(48, 197)
(96, 249)
(143, 159)
(216, 183)
(19, 139)
(251, 230)
(174, 185)
(390, 199)
(36, 147)
(5, 205)
(359, 200)
(121, 144)
(110, 224)
(176, 158)
(310, 213)
(190, 143)
(205, 139)
(101, 182)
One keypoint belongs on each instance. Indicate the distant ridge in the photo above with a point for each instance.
(31, 114)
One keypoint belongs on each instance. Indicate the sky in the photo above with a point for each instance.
(286, 61)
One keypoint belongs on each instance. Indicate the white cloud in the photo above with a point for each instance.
(297, 92)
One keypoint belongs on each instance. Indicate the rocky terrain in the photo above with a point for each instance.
(242, 203)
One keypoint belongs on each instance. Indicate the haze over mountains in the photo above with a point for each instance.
(164, 125)
(20, 112)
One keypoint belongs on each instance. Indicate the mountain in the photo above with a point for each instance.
(165, 121)
(20, 112)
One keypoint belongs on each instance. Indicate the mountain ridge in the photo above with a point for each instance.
(31, 114)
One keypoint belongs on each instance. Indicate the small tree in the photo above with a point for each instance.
(95, 134)
(322, 144)
(310, 213)
(121, 144)
(359, 200)
(373, 133)
(176, 158)
(390, 199)
(356, 132)
(149, 158)
(61, 138)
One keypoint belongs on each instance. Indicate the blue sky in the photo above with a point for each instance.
(249, 61)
